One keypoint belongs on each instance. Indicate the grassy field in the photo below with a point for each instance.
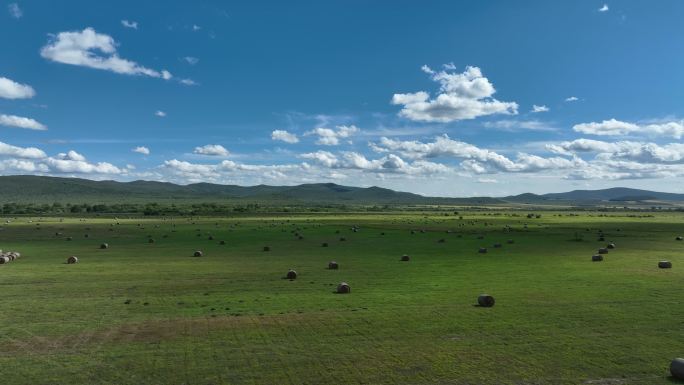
(150, 313)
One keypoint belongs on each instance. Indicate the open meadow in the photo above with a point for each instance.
(145, 310)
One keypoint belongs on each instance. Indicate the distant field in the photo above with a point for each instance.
(151, 313)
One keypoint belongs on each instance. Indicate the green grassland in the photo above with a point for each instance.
(150, 313)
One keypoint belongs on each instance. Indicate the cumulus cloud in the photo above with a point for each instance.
(129, 24)
(89, 48)
(571, 99)
(8, 150)
(387, 164)
(623, 150)
(9, 89)
(284, 136)
(21, 122)
(211, 150)
(15, 11)
(142, 150)
(604, 8)
(160, 114)
(473, 158)
(461, 96)
(331, 137)
(537, 109)
(613, 127)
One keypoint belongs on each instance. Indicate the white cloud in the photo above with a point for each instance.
(330, 137)
(324, 158)
(191, 60)
(71, 155)
(188, 82)
(571, 99)
(284, 136)
(21, 166)
(21, 152)
(129, 24)
(142, 150)
(15, 11)
(466, 95)
(67, 165)
(196, 27)
(88, 48)
(9, 89)
(473, 158)
(623, 150)
(487, 180)
(21, 122)
(537, 109)
(613, 127)
(212, 150)
(160, 114)
(519, 125)
(604, 8)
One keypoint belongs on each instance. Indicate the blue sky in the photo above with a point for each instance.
(440, 98)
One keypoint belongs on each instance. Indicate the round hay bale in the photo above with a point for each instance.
(610, 246)
(324, 244)
(71, 260)
(482, 250)
(86, 235)
(104, 246)
(291, 274)
(665, 264)
(332, 265)
(597, 258)
(343, 288)
(198, 253)
(69, 238)
(405, 258)
(497, 245)
(4, 260)
(211, 238)
(151, 240)
(222, 242)
(510, 241)
(485, 300)
(603, 250)
(679, 238)
(677, 368)
(267, 248)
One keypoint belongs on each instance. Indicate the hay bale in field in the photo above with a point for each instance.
(677, 368)
(510, 241)
(597, 258)
(382, 233)
(291, 274)
(211, 238)
(151, 240)
(679, 238)
(324, 244)
(442, 240)
(85, 235)
(405, 258)
(198, 253)
(332, 265)
(104, 246)
(482, 250)
(611, 246)
(222, 242)
(343, 239)
(603, 250)
(69, 238)
(497, 245)
(665, 264)
(343, 288)
(71, 260)
(267, 248)
(485, 300)
(4, 260)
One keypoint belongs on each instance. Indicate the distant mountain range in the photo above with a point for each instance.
(44, 189)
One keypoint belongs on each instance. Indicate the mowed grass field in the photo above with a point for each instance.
(150, 313)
